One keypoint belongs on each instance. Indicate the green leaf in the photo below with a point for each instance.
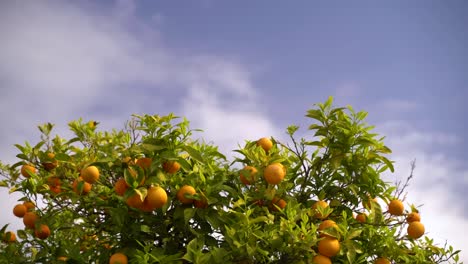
(188, 214)
(316, 114)
(195, 154)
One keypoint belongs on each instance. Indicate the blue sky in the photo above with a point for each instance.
(254, 67)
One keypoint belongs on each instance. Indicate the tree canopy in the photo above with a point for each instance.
(152, 193)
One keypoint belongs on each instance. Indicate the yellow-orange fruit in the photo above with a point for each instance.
(171, 167)
(265, 143)
(54, 185)
(30, 205)
(156, 197)
(395, 207)
(42, 232)
(382, 261)
(413, 217)
(30, 219)
(186, 189)
(320, 259)
(278, 202)
(274, 173)
(20, 210)
(90, 174)
(118, 258)
(326, 224)
(86, 186)
(27, 169)
(361, 218)
(415, 230)
(247, 175)
(144, 163)
(51, 163)
(321, 204)
(9, 237)
(62, 258)
(134, 201)
(329, 246)
(202, 203)
(121, 186)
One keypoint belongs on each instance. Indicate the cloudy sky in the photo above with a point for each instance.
(241, 70)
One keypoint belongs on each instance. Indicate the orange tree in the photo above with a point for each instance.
(151, 193)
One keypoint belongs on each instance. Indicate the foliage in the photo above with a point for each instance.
(228, 221)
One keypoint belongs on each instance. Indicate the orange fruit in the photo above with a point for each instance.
(274, 173)
(62, 258)
(42, 232)
(395, 207)
(90, 174)
(171, 167)
(186, 189)
(265, 143)
(135, 175)
(382, 261)
(29, 205)
(51, 163)
(9, 237)
(156, 197)
(278, 202)
(20, 210)
(320, 259)
(415, 230)
(134, 201)
(413, 217)
(321, 204)
(202, 203)
(86, 186)
(361, 217)
(247, 175)
(120, 186)
(329, 246)
(118, 258)
(30, 219)
(128, 160)
(144, 163)
(326, 224)
(54, 185)
(27, 169)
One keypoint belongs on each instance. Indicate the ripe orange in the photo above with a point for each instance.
(274, 173)
(361, 217)
(320, 259)
(90, 174)
(321, 204)
(30, 219)
(156, 197)
(62, 258)
(42, 232)
(128, 160)
(186, 189)
(20, 210)
(54, 185)
(395, 207)
(202, 203)
(382, 261)
(413, 217)
(415, 230)
(134, 201)
(51, 163)
(247, 175)
(278, 202)
(86, 186)
(171, 167)
(326, 224)
(118, 258)
(120, 186)
(29, 205)
(9, 237)
(27, 169)
(144, 163)
(265, 143)
(329, 246)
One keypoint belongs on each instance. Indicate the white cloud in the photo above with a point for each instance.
(66, 61)
(435, 177)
